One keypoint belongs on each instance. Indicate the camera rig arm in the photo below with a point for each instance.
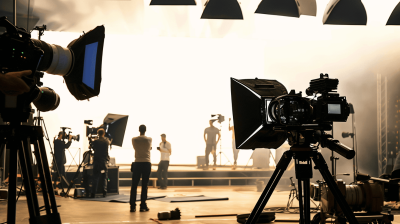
(327, 141)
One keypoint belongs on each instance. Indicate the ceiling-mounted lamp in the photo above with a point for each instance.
(291, 8)
(222, 9)
(173, 2)
(345, 12)
(394, 18)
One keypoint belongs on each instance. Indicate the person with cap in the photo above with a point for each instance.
(141, 168)
(210, 137)
(162, 172)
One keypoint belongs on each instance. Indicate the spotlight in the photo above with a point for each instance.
(345, 12)
(222, 9)
(394, 18)
(173, 2)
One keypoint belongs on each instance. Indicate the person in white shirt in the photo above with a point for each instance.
(162, 172)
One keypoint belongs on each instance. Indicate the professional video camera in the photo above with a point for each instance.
(220, 118)
(265, 116)
(114, 125)
(79, 64)
(65, 135)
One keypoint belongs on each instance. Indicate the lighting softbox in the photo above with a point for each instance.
(222, 9)
(173, 2)
(84, 78)
(345, 12)
(115, 125)
(250, 100)
(394, 18)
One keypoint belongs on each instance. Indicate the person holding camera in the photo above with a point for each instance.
(162, 172)
(59, 155)
(210, 137)
(100, 159)
(141, 168)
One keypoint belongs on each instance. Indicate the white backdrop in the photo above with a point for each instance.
(173, 83)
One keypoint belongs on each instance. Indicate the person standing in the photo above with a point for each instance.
(59, 157)
(210, 137)
(100, 159)
(162, 172)
(140, 168)
(235, 150)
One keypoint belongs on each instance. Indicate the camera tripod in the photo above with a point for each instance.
(303, 167)
(19, 139)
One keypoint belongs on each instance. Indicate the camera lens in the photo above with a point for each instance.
(46, 99)
(56, 60)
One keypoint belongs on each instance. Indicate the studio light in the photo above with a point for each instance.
(222, 9)
(345, 12)
(173, 2)
(289, 8)
(394, 18)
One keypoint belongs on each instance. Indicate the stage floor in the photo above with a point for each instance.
(185, 168)
(241, 200)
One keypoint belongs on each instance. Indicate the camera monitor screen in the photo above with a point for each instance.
(334, 109)
(89, 66)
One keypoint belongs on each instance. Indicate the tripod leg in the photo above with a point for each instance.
(306, 187)
(25, 160)
(43, 178)
(301, 208)
(276, 176)
(44, 169)
(12, 185)
(323, 168)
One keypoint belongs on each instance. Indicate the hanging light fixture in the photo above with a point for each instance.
(222, 9)
(173, 2)
(394, 18)
(345, 12)
(291, 8)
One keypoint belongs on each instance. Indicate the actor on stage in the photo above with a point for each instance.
(162, 172)
(235, 150)
(210, 137)
(141, 168)
(59, 156)
(100, 159)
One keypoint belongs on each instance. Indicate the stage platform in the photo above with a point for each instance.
(191, 175)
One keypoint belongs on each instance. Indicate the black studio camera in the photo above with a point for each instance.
(114, 125)
(79, 64)
(65, 135)
(294, 110)
(266, 115)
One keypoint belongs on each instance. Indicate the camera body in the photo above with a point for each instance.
(294, 110)
(65, 135)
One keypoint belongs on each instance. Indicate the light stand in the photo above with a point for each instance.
(353, 136)
(220, 147)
